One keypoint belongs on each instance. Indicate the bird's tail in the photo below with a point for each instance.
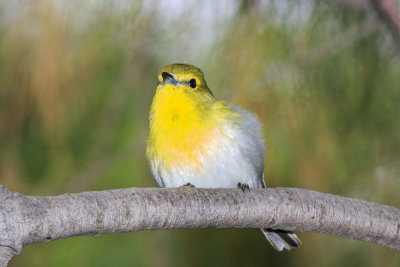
(281, 239)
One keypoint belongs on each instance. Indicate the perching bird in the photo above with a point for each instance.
(195, 139)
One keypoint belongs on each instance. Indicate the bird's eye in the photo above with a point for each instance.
(192, 83)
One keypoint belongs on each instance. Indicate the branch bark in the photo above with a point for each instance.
(26, 220)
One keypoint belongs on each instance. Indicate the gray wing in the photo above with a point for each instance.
(252, 141)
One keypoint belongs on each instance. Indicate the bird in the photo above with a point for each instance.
(196, 140)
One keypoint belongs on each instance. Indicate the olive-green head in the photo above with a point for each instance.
(186, 75)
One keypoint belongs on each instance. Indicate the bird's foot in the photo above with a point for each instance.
(243, 186)
(188, 184)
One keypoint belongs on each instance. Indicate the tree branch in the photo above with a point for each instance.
(6, 254)
(26, 220)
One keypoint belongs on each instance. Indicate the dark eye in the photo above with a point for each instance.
(192, 83)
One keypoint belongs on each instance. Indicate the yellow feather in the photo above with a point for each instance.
(182, 125)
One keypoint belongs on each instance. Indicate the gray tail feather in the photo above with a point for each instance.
(281, 239)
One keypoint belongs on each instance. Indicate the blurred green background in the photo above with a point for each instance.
(77, 79)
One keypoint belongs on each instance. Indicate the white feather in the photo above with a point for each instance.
(234, 155)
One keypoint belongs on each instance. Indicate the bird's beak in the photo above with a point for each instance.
(168, 78)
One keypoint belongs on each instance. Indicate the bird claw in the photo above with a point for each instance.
(243, 186)
(188, 184)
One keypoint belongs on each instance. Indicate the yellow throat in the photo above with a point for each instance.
(184, 117)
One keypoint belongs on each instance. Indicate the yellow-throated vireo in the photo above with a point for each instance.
(195, 139)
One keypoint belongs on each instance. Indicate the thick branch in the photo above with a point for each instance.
(6, 254)
(27, 219)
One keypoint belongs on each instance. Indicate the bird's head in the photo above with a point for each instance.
(187, 78)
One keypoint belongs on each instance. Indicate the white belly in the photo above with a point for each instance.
(235, 155)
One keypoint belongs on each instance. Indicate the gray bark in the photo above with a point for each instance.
(26, 220)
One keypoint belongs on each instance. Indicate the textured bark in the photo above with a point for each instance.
(6, 254)
(30, 219)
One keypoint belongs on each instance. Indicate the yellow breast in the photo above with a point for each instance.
(180, 128)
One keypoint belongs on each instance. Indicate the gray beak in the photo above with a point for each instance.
(168, 78)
